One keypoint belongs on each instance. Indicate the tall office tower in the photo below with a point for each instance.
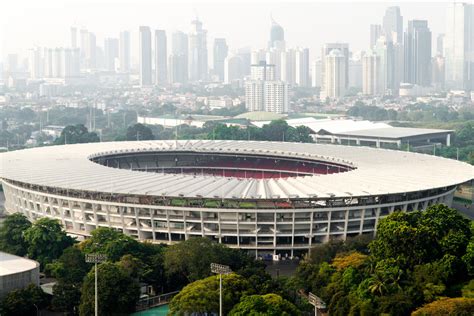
(343, 48)
(198, 67)
(375, 33)
(124, 51)
(35, 63)
(277, 36)
(178, 60)
(288, 66)
(262, 71)
(335, 82)
(161, 56)
(355, 72)
(440, 44)
(273, 57)
(57, 63)
(12, 63)
(275, 96)
(145, 56)
(371, 74)
(257, 56)
(417, 46)
(389, 82)
(73, 37)
(48, 62)
(316, 73)
(438, 72)
(393, 25)
(302, 67)
(111, 53)
(459, 46)
(233, 69)
(219, 54)
(245, 55)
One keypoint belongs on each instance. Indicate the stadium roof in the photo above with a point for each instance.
(379, 171)
(395, 132)
(10, 264)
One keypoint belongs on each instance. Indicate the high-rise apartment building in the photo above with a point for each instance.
(88, 50)
(262, 71)
(124, 51)
(73, 37)
(35, 63)
(343, 49)
(161, 58)
(335, 83)
(438, 72)
(145, 56)
(372, 74)
(288, 66)
(220, 52)
(233, 69)
(198, 63)
(316, 73)
(459, 46)
(417, 47)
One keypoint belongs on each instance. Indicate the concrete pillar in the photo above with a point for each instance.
(448, 140)
(377, 143)
(358, 141)
(399, 143)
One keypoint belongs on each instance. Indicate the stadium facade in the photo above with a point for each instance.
(265, 197)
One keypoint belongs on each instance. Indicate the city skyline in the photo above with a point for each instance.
(217, 19)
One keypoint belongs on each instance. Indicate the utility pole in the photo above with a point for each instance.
(220, 269)
(96, 258)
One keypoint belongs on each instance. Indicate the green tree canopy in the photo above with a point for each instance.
(458, 306)
(23, 301)
(46, 240)
(264, 305)
(75, 134)
(202, 296)
(11, 234)
(139, 132)
(118, 292)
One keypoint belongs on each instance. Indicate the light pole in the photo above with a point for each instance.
(220, 269)
(96, 258)
(316, 302)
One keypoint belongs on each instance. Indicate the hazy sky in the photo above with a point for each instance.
(26, 23)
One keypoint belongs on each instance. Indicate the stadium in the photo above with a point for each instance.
(270, 198)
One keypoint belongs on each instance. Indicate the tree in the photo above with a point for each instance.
(352, 259)
(458, 306)
(118, 292)
(75, 134)
(11, 234)
(264, 305)
(190, 260)
(69, 271)
(139, 132)
(202, 296)
(23, 301)
(421, 237)
(46, 240)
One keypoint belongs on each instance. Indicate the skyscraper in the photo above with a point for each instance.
(438, 72)
(145, 56)
(335, 82)
(375, 33)
(111, 52)
(178, 60)
(277, 36)
(198, 64)
(161, 62)
(288, 66)
(35, 63)
(88, 50)
(233, 69)
(219, 54)
(302, 67)
(273, 57)
(343, 49)
(459, 46)
(393, 25)
(316, 73)
(387, 72)
(440, 44)
(417, 47)
(124, 51)
(262, 71)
